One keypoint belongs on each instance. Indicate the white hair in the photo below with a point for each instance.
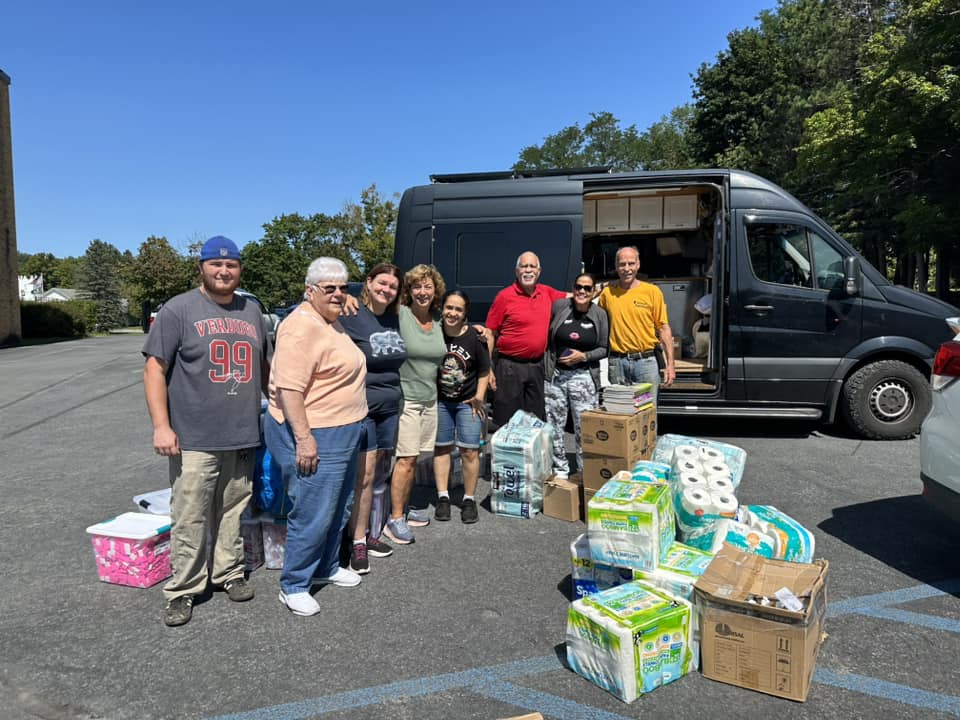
(527, 252)
(325, 268)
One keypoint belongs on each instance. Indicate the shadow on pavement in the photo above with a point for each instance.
(743, 427)
(904, 533)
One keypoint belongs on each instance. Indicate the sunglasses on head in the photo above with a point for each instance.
(331, 289)
(586, 288)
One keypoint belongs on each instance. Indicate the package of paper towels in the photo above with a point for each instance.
(589, 577)
(630, 524)
(522, 460)
(630, 639)
(700, 454)
(678, 571)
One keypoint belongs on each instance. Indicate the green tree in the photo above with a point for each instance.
(274, 266)
(160, 272)
(42, 264)
(101, 282)
(885, 153)
(602, 142)
(368, 229)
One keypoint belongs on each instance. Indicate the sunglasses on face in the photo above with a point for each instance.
(585, 288)
(331, 289)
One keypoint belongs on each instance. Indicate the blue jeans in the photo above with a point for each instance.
(456, 422)
(321, 501)
(623, 371)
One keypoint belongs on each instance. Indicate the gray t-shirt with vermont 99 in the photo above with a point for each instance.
(215, 356)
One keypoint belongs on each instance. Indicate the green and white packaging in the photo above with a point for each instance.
(630, 639)
(631, 524)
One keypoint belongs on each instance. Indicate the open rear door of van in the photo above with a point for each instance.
(481, 228)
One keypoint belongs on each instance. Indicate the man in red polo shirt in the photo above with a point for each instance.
(520, 319)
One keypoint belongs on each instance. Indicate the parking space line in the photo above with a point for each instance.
(890, 691)
(892, 597)
(905, 616)
(546, 704)
(480, 677)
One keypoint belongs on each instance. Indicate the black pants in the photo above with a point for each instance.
(519, 387)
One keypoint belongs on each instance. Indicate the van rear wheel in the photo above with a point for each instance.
(886, 400)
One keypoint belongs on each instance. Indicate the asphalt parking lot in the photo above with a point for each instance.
(466, 623)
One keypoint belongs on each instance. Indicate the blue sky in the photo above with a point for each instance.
(194, 119)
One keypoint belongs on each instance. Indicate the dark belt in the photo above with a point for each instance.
(522, 361)
(641, 355)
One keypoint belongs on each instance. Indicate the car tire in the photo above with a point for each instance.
(886, 400)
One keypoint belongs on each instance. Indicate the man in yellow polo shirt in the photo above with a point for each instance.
(638, 317)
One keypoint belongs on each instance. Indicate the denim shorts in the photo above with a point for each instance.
(456, 422)
(379, 432)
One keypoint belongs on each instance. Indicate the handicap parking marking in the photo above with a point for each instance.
(494, 681)
(879, 606)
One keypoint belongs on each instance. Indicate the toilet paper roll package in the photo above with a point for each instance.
(630, 639)
(743, 537)
(794, 542)
(707, 451)
(522, 460)
(589, 577)
(696, 516)
(630, 524)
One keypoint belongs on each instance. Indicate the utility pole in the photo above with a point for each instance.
(10, 330)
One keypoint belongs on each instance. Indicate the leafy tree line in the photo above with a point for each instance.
(273, 266)
(851, 105)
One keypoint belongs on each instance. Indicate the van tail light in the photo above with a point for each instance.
(946, 365)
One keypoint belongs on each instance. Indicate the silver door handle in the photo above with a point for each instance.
(758, 307)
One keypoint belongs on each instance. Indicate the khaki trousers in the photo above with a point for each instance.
(210, 492)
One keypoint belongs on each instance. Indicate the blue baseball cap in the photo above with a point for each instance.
(219, 248)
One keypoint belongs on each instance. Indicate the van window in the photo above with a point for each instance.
(478, 245)
(787, 254)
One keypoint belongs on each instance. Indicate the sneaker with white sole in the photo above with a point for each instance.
(398, 532)
(377, 548)
(341, 578)
(358, 558)
(417, 518)
(301, 603)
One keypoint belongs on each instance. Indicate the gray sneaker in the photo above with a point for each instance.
(178, 611)
(398, 532)
(417, 518)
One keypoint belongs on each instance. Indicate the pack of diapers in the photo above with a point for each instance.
(698, 511)
(645, 469)
(630, 639)
(630, 524)
(792, 541)
(588, 577)
(747, 538)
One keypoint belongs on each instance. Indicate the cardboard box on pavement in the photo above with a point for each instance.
(769, 649)
(561, 499)
(614, 435)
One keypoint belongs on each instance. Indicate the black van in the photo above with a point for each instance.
(799, 324)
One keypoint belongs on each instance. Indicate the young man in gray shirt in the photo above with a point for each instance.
(206, 363)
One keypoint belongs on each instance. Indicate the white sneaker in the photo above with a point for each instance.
(301, 603)
(341, 578)
(561, 476)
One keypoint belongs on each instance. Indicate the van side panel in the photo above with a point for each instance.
(414, 234)
(480, 228)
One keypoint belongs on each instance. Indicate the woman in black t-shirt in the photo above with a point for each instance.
(461, 392)
(579, 331)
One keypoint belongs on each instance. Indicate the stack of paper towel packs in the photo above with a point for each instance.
(630, 639)
(522, 460)
(651, 533)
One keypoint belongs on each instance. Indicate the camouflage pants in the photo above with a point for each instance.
(573, 389)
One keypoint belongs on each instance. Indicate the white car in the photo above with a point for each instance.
(940, 431)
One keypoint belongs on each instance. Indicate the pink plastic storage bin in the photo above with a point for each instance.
(132, 549)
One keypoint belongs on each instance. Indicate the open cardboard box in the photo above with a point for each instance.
(769, 649)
